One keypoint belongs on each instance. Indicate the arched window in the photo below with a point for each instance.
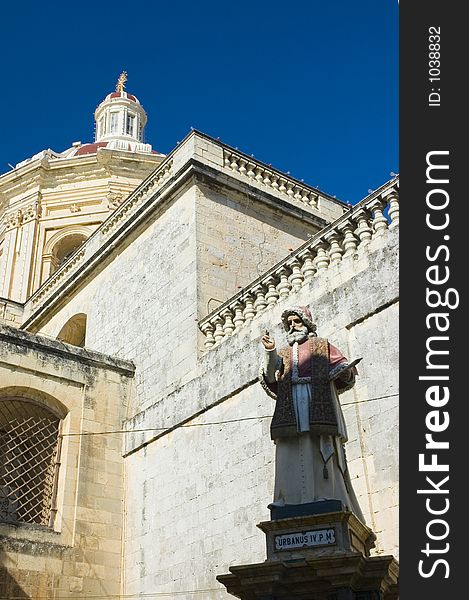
(66, 247)
(74, 331)
(29, 460)
(61, 246)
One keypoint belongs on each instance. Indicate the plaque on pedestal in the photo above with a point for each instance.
(315, 535)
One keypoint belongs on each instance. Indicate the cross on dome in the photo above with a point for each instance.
(120, 85)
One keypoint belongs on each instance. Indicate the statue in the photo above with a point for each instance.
(120, 86)
(308, 426)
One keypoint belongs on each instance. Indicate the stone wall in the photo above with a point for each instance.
(200, 488)
(81, 553)
(129, 299)
(237, 240)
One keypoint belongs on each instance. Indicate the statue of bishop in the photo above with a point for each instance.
(308, 426)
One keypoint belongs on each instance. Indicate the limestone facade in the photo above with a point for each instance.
(80, 552)
(178, 282)
(52, 202)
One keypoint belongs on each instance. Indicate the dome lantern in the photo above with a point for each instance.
(120, 120)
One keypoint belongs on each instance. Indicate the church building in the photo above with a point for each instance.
(135, 287)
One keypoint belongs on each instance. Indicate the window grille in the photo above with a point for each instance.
(29, 460)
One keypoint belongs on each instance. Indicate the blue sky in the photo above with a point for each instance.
(310, 86)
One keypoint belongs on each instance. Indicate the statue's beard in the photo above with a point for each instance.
(297, 335)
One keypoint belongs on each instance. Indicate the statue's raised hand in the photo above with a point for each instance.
(267, 341)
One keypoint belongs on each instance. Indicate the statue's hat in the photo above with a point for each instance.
(300, 311)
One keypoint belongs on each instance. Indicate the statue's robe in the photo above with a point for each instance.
(308, 426)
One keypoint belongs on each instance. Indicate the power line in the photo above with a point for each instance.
(370, 399)
(142, 430)
(167, 428)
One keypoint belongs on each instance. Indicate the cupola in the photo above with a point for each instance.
(120, 120)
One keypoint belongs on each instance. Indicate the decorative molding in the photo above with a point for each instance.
(114, 199)
(13, 220)
(26, 213)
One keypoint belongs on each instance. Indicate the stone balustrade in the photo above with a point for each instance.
(55, 280)
(255, 171)
(137, 197)
(342, 239)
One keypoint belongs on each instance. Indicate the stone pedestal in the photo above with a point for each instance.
(340, 577)
(316, 535)
(316, 557)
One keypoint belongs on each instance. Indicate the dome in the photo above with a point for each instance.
(123, 95)
(90, 148)
(128, 146)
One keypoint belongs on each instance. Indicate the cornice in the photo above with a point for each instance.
(42, 167)
(67, 352)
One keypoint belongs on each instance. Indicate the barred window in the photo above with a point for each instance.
(29, 461)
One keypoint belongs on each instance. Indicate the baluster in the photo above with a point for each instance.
(281, 187)
(364, 231)
(274, 180)
(283, 286)
(322, 260)
(296, 278)
(250, 173)
(297, 194)
(290, 187)
(393, 211)
(228, 326)
(305, 196)
(350, 241)
(249, 312)
(260, 303)
(219, 333)
(272, 294)
(207, 330)
(259, 176)
(234, 162)
(313, 200)
(227, 160)
(379, 222)
(238, 319)
(335, 251)
(266, 180)
(308, 269)
(242, 166)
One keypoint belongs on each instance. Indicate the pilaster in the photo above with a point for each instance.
(21, 227)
